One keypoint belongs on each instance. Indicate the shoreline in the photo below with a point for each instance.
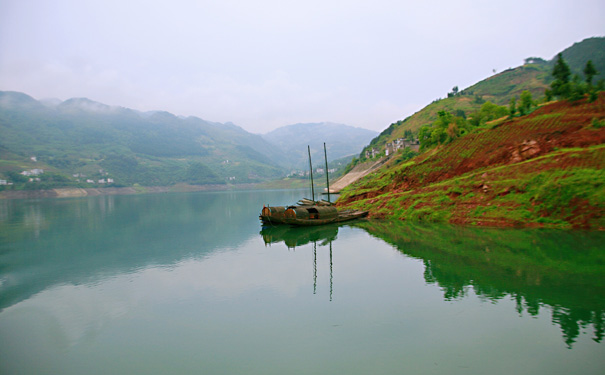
(72, 192)
(92, 192)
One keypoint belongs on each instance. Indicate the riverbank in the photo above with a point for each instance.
(72, 192)
(91, 192)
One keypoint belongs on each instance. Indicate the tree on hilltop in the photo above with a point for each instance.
(526, 102)
(561, 73)
(443, 130)
(564, 88)
(589, 72)
(512, 106)
(488, 112)
(454, 92)
(535, 60)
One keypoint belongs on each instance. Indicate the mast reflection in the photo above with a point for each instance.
(299, 236)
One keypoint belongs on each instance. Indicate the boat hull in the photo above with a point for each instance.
(308, 215)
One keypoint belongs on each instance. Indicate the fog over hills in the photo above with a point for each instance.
(80, 136)
(341, 140)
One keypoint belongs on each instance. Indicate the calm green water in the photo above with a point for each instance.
(189, 284)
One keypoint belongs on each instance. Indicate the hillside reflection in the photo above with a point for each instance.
(563, 271)
(78, 241)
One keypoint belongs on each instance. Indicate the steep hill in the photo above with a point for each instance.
(534, 76)
(341, 140)
(546, 168)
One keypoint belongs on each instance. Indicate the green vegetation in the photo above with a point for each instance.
(564, 88)
(561, 73)
(86, 144)
(482, 163)
(448, 127)
(526, 103)
(597, 124)
(580, 53)
(560, 192)
(199, 174)
(488, 112)
(80, 143)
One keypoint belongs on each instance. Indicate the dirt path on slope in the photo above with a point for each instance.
(355, 174)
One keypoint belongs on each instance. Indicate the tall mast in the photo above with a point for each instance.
(327, 177)
(311, 170)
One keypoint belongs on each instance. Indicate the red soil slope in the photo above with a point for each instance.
(517, 143)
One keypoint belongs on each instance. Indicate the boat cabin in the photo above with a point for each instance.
(311, 212)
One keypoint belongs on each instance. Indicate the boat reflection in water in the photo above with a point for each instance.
(299, 236)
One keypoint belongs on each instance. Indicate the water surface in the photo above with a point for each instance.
(190, 283)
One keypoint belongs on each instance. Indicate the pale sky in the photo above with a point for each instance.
(269, 63)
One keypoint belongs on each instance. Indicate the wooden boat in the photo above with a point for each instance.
(319, 215)
(309, 212)
(307, 215)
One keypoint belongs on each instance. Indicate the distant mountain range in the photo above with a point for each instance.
(81, 140)
(341, 140)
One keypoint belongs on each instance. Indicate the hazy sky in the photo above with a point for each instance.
(264, 64)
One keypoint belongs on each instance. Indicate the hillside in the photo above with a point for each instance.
(80, 140)
(542, 169)
(534, 76)
(588, 49)
(80, 143)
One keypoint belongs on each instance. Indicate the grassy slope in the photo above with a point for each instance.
(498, 89)
(543, 169)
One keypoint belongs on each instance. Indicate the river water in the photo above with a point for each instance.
(191, 284)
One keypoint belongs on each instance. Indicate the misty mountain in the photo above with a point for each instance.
(341, 140)
(83, 137)
(78, 140)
